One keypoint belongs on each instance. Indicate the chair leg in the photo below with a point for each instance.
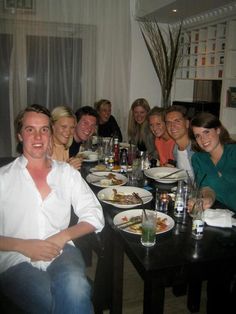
(194, 296)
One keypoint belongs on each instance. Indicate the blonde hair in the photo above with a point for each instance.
(61, 112)
(137, 132)
(101, 102)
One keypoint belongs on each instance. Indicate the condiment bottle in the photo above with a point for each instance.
(116, 152)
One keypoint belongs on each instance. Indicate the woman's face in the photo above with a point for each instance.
(139, 114)
(63, 130)
(207, 139)
(104, 113)
(157, 125)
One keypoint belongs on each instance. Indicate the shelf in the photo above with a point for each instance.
(203, 51)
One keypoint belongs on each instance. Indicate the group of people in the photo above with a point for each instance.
(40, 269)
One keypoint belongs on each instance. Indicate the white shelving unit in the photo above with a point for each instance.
(203, 52)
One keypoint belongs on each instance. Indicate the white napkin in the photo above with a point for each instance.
(219, 218)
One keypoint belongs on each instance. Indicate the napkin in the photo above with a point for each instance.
(219, 218)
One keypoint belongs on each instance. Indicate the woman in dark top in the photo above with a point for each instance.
(107, 125)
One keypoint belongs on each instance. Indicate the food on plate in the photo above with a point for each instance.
(100, 168)
(161, 224)
(111, 179)
(125, 199)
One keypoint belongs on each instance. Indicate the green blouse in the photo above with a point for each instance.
(220, 177)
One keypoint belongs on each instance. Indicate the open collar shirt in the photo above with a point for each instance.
(24, 214)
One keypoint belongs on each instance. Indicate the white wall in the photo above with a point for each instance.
(144, 82)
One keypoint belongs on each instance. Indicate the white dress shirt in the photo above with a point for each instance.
(24, 214)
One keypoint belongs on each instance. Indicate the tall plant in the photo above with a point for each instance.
(164, 50)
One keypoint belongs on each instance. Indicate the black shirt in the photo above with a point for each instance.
(110, 129)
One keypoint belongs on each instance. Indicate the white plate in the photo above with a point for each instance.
(106, 194)
(85, 154)
(125, 145)
(95, 169)
(94, 179)
(119, 218)
(158, 172)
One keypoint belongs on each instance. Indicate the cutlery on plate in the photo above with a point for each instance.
(141, 200)
(129, 224)
(121, 201)
(132, 220)
(171, 174)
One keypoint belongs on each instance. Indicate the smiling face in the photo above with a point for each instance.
(157, 125)
(139, 114)
(104, 113)
(85, 128)
(63, 130)
(35, 135)
(177, 126)
(207, 139)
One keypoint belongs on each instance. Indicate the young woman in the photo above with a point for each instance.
(107, 125)
(63, 124)
(163, 142)
(138, 128)
(214, 162)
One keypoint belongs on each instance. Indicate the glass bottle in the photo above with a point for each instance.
(197, 223)
(179, 200)
(123, 161)
(116, 152)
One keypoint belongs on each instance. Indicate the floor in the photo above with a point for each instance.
(133, 294)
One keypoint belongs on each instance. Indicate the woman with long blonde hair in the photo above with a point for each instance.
(138, 127)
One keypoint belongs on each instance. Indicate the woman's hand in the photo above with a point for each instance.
(75, 162)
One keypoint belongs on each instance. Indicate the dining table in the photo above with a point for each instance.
(176, 259)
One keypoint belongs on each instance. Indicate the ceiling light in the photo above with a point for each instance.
(174, 10)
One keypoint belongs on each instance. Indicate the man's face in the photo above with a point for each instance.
(157, 125)
(104, 113)
(85, 127)
(35, 135)
(177, 126)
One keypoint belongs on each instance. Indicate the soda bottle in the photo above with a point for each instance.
(179, 200)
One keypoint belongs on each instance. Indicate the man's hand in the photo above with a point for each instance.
(39, 250)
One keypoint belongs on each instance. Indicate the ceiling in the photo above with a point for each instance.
(162, 10)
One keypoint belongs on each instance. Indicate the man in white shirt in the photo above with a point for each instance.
(40, 269)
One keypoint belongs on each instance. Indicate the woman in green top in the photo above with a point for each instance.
(214, 162)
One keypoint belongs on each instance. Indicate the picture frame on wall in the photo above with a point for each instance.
(231, 97)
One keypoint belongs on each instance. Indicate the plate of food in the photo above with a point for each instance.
(88, 156)
(105, 179)
(124, 196)
(129, 218)
(99, 168)
(166, 174)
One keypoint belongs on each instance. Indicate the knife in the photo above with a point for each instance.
(171, 174)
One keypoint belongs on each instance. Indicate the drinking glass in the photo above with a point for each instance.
(148, 237)
(162, 201)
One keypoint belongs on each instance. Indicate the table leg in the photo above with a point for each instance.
(154, 297)
(118, 269)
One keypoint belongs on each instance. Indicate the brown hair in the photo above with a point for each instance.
(208, 121)
(101, 102)
(177, 108)
(18, 123)
(157, 111)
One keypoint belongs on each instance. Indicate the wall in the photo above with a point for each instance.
(144, 82)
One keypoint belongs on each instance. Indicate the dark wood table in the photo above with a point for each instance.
(176, 259)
